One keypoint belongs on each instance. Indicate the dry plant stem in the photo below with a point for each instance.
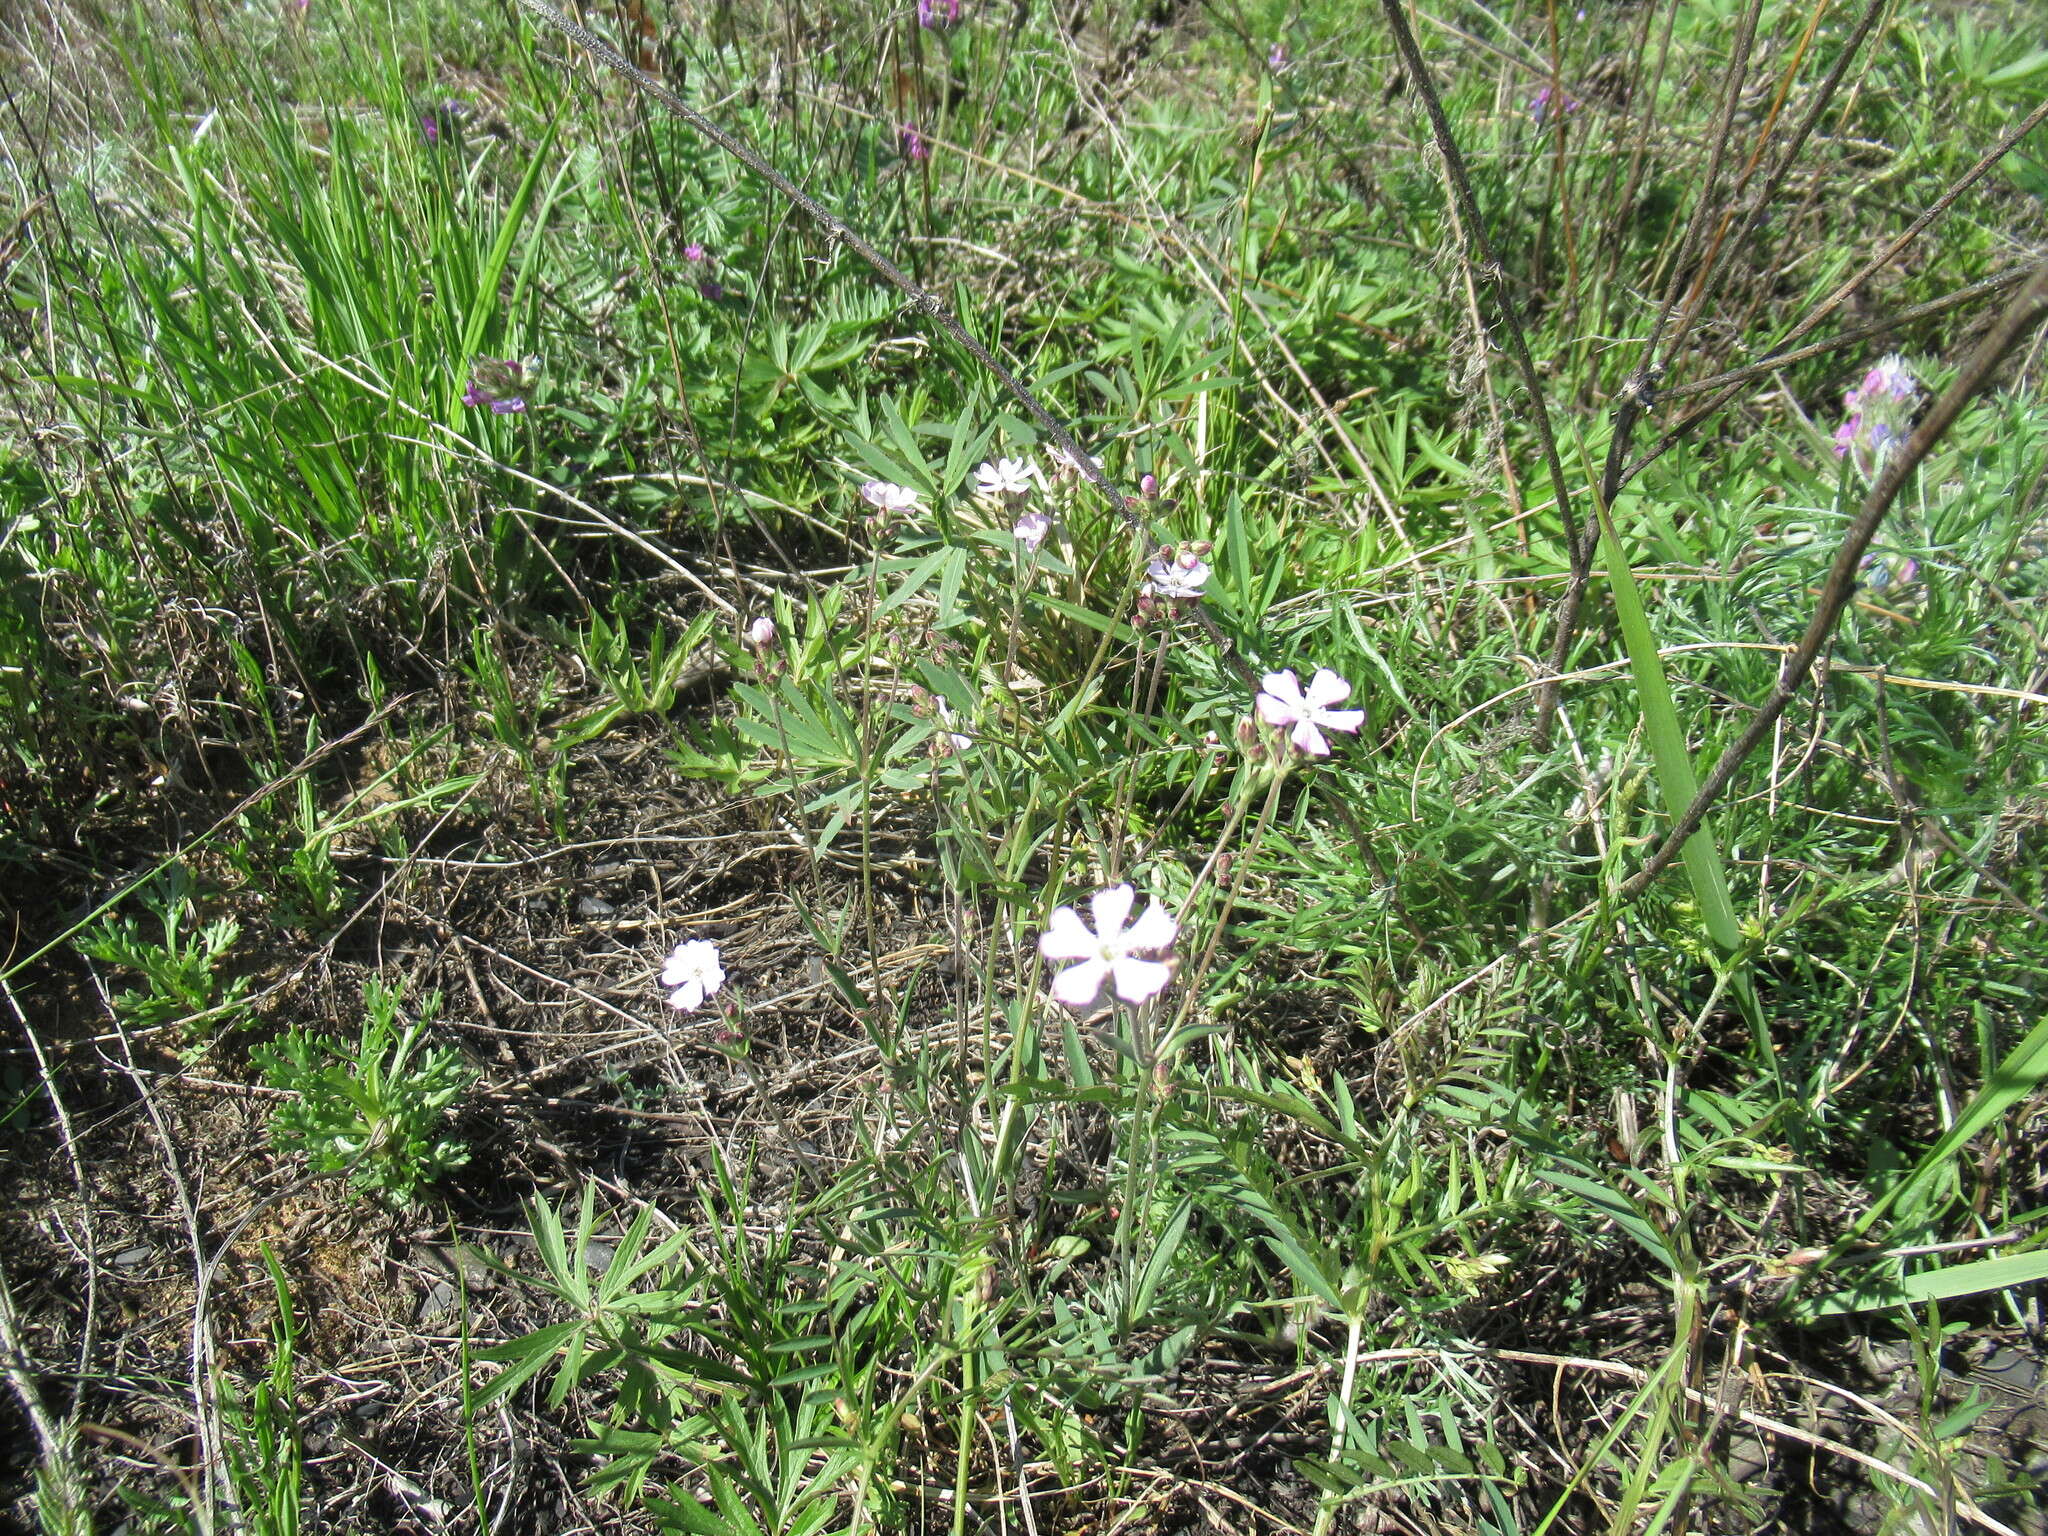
(922, 300)
(1639, 388)
(2021, 316)
(1767, 194)
(1676, 433)
(1481, 258)
(1777, 360)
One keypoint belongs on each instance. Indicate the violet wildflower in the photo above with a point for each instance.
(1877, 411)
(1005, 477)
(692, 974)
(711, 292)
(912, 143)
(1277, 60)
(1030, 529)
(937, 15)
(1286, 705)
(498, 383)
(1137, 960)
(430, 127)
(693, 252)
(1539, 105)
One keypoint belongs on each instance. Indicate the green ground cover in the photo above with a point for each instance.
(634, 904)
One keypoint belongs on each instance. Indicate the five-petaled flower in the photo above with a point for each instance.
(1177, 576)
(1030, 529)
(1305, 713)
(692, 974)
(1005, 477)
(889, 497)
(1136, 959)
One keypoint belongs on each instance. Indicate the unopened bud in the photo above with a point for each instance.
(1248, 733)
(1148, 485)
(1200, 548)
(761, 634)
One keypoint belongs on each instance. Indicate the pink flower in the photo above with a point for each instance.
(1285, 705)
(1128, 957)
(912, 143)
(761, 634)
(889, 497)
(1031, 529)
(693, 252)
(1178, 577)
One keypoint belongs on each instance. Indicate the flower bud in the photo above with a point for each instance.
(1148, 485)
(761, 634)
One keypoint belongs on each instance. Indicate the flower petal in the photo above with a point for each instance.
(1277, 711)
(688, 998)
(1079, 985)
(1138, 979)
(1111, 906)
(1066, 937)
(1347, 720)
(1308, 740)
(1154, 931)
(1286, 689)
(1326, 688)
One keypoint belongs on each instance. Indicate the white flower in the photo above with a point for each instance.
(1286, 705)
(1005, 477)
(889, 497)
(1111, 952)
(761, 633)
(1031, 529)
(1180, 579)
(692, 974)
(945, 712)
(1065, 465)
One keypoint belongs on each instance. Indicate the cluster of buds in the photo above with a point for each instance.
(1176, 578)
(1877, 409)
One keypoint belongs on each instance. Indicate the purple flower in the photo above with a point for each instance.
(430, 128)
(710, 292)
(1277, 60)
(1539, 105)
(912, 143)
(937, 14)
(1877, 411)
(693, 252)
(496, 382)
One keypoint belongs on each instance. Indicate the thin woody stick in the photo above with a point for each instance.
(2026, 311)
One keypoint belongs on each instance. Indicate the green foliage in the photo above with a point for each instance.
(375, 1109)
(177, 959)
